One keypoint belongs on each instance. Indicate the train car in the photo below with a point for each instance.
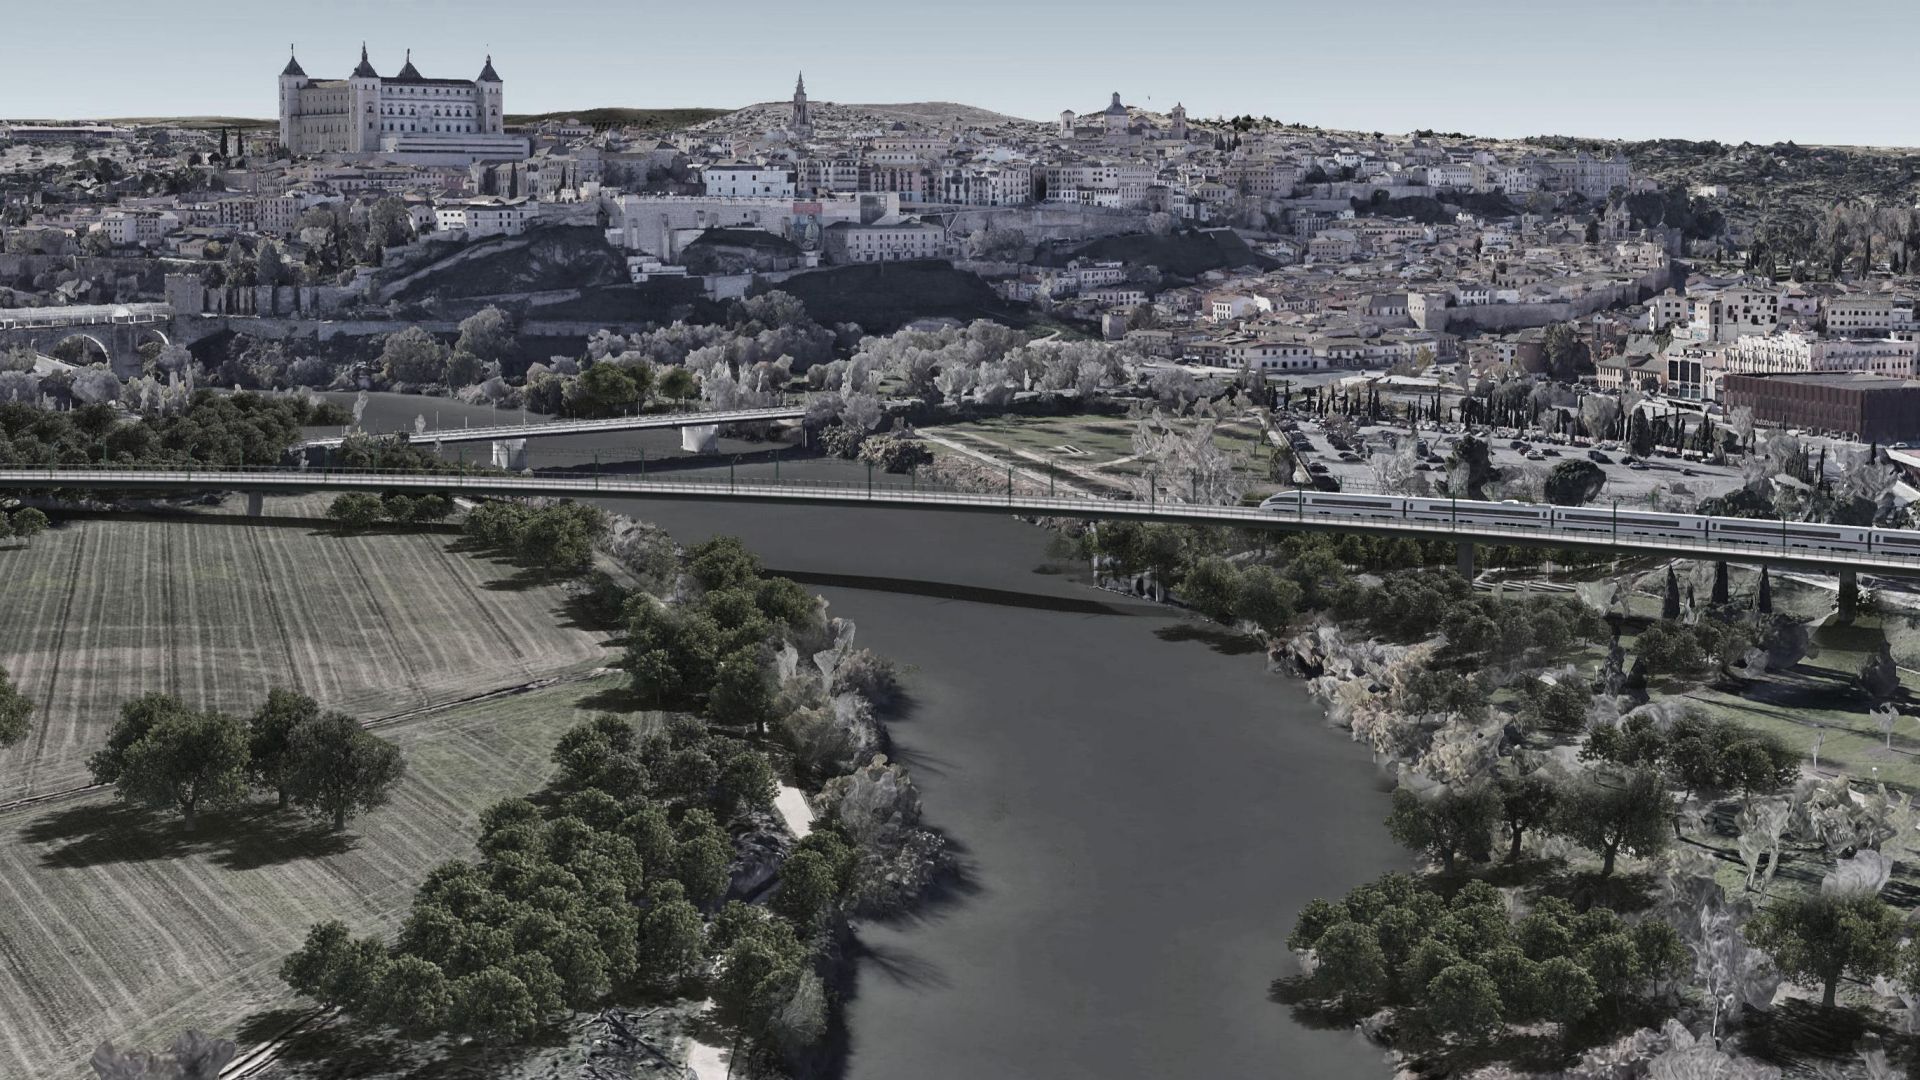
(1894, 542)
(1337, 504)
(1759, 534)
(1496, 515)
(1630, 524)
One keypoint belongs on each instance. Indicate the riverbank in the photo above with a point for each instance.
(1138, 820)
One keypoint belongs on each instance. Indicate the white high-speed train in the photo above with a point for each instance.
(1599, 521)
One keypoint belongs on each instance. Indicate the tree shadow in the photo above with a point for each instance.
(1622, 892)
(1797, 1034)
(248, 838)
(1220, 640)
(904, 969)
(944, 590)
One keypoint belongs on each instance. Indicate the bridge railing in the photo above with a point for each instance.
(879, 490)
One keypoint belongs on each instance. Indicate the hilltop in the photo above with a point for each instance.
(653, 119)
(832, 117)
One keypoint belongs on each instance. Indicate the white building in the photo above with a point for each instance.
(852, 242)
(486, 216)
(353, 115)
(741, 181)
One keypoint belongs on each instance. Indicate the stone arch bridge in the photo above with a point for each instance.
(117, 330)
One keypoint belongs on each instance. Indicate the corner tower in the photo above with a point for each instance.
(363, 107)
(291, 80)
(491, 100)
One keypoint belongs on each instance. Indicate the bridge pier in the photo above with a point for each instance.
(1849, 594)
(700, 438)
(510, 454)
(1463, 558)
(256, 503)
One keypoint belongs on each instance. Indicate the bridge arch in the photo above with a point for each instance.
(92, 350)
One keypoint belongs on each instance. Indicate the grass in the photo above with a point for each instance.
(1105, 442)
(99, 611)
(124, 927)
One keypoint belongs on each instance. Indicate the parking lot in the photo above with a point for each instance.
(1672, 476)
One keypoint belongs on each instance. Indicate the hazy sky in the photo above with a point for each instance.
(1837, 71)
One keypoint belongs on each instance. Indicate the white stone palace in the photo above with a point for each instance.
(368, 113)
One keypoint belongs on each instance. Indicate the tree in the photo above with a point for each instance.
(1464, 1000)
(29, 523)
(186, 760)
(678, 384)
(809, 885)
(1670, 602)
(1265, 599)
(672, 937)
(487, 336)
(1567, 356)
(337, 768)
(15, 710)
(1719, 595)
(1821, 937)
(1560, 706)
(413, 356)
(1351, 965)
(1209, 586)
(413, 996)
(1526, 803)
(1454, 822)
(493, 1006)
(606, 389)
(388, 224)
(1764, 602)
(356, 510)
(1629, 818)
(1574, 481)
(1469, 468)
(1563, 991)
(270, 732)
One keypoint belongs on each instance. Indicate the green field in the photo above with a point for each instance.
(123, 927)
(96, 612)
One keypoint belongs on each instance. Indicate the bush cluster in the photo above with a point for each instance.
(1464, 967)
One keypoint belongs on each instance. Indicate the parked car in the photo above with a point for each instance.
(1349, 456)
(1549, 451)
(1535, 455)
(1597, 456)
(1637, 466)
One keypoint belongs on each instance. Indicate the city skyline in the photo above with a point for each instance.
(1703, 71)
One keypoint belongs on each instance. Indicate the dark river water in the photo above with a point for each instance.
(1140, 811)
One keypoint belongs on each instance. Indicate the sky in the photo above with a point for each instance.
(1836, 72)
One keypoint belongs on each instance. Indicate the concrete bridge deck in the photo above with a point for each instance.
(555, 428)
(880, 492)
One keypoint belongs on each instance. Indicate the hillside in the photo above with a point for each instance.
(882, 297)
(559, 257)
(834, 118)
(649, 119)
(207, 123)
(1186, 254)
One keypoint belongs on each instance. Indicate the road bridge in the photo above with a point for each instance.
(883, 493)
(555, 428)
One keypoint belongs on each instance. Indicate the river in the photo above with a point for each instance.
(1139, 818)
(1140, 808)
